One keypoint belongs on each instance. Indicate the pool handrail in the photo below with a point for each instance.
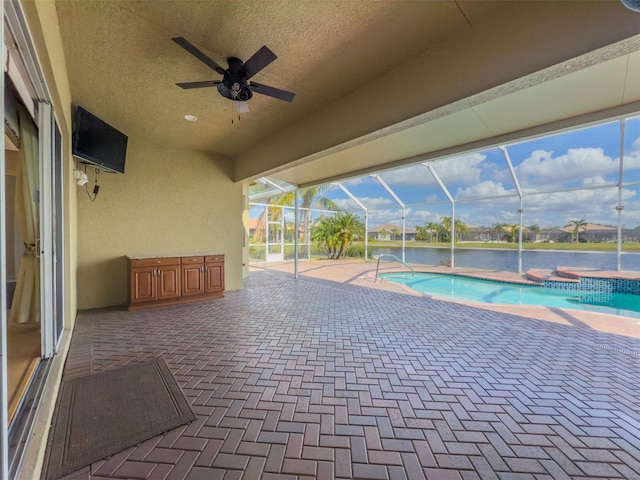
(395, 259)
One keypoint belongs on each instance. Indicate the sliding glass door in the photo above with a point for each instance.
(37, 223)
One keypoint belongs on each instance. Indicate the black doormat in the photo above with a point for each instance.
(99, 415)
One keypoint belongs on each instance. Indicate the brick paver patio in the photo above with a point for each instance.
(309, 378)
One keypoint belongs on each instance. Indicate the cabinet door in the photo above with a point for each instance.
(192, 279)
(168, 282)
(143, 284)
(215, 277)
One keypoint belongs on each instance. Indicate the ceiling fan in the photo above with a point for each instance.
(235, 84)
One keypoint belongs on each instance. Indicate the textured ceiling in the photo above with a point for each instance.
(361, 70)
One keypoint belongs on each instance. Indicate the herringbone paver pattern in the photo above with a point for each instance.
(303, 379)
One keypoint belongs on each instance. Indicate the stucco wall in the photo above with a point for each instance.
(168, 202)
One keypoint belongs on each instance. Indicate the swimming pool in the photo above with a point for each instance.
(454, 287)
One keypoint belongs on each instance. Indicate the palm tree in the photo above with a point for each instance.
(309, 197)
(349, 228)
(445, 229)
(432, 227)
(323, 233)
(395, 233)
(421, 232)
(513, 231)
(459, 228)
(335, 233)
(428, 229)
(577, 225)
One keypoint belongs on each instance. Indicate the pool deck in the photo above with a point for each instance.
(334, 376)
(362, 274)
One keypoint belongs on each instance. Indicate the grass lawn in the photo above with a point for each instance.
(581, 247)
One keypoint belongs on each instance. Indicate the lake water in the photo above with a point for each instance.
(495, 259)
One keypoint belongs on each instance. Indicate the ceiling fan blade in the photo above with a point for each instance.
(206, 83)
(258, 61)
(272, 91)
(193, 50)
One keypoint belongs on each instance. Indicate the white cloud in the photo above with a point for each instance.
(542, 168)
(463, 169)
(415, 175)
(587, 167)
(488, 188)
(595, 181)
(353, 182)
(368, 202)
(632, 158)
(380, 217)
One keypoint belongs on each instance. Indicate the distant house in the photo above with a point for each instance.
(476, 234)
(595, 233)
(552, 235)
(255, 223)
(390, 231)
(591, 233)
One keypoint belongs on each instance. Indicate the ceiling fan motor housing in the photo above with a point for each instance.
(234, 84)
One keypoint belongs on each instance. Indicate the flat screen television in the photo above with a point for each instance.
(98, 143)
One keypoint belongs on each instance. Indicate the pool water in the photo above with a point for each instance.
(462, 288)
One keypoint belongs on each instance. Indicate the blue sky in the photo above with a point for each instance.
(566, 176)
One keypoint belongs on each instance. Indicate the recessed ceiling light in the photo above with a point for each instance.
(190, 118)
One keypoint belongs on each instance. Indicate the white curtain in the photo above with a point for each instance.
(26, 300)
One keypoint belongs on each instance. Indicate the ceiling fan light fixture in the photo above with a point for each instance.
(190, 118)
(238, 91)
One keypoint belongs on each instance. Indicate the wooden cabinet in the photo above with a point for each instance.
(161, 281)
(154, 280)
(214, 274)
(192, 276)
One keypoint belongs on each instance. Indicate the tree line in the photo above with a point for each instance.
(510, 232)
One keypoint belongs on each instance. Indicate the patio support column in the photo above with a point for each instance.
(399, 202)
(404, 227)
(266, 235)
(283, 230)
(296, 227)
(620, 207)
(366, 235)
(507, 159)
(443, 187)
(307, 233)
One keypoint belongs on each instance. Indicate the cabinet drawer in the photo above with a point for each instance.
(192, 260)
(214, 258)
(154, 262)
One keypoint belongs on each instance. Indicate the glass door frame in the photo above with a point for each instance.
(51, 210)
